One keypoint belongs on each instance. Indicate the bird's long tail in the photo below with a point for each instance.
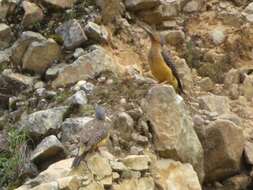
(77, 160)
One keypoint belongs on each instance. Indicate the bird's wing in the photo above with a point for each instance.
(171, 65)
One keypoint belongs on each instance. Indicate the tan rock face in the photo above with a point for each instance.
(173, 126)
(170, 174)
(223, 144)
(33, 13)
(40, 55)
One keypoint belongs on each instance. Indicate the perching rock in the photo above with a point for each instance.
(86, 66)
(40, 55)
(72, 34)
(71, 127)
(172, 127)
(175, 175)
(49, 148)
(33, 14)
(223, 144)
(6, 36)
(214, 103)
(43, 122)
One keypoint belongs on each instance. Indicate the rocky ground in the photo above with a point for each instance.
(59, 58)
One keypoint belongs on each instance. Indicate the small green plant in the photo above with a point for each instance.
(11, 161)
(192, 55)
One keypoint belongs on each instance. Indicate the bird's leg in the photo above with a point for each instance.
(164, 82)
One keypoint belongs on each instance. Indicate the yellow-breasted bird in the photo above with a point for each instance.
(161, 65)
(94, 135)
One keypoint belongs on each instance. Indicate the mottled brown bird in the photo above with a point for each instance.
(161, 64)
(94, 135)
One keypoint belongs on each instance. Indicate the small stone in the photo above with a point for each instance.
(96, 32)
(198, 120)
(139, 138)
(115, 175)
(78, 52)
(192, 6)
(123, 101)
(134, 150)
(124, 125)
(72, 34)
(206, 84)
(33, 14)
(78, 99)
(174, 37)
(217, 36)
(128, 174)
(49, 148)
(137, 162)
(40, 92)
(39, 84)
(117, 166)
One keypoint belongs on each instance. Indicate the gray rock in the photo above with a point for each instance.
(136, 5)
(95, 32)
(172, 127)
(6, 36)
(71, 128)
(85, 86)
(43, 122)
(87, 66)
(78, 99)
(53, 71)
(40, 55)
(50, 147)
(78, 52)
(214, 103)
(72, 34)
(223, 144)
(193, 6)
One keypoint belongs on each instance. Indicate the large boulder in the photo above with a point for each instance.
(175, 175)
(43, 122)
(223, 144)
(172, 127)
(87, 66)
(40, 55)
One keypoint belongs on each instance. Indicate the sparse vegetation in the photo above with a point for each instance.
(11, 161)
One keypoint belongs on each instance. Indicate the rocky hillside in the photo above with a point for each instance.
(60, 58)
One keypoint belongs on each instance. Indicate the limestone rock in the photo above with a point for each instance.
(33, 14)
(20, 46)
(72, 33)
(174, 37)
(99, 166)
(6, 36)
(62, 4)
(145, 183)
(175, 175)
(137, 162)
(136, 5)
(206, 84)
(173, 126)
(96, 33)
(118, 166)
(223, 144)
(86, 66)
(50, 147)
(71, 127)
(40, 55)
(214, 103)
(43, 122)
(217, 36)
(248, 152)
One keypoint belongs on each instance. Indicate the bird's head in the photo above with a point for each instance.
(154, 36)
(100, 113)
